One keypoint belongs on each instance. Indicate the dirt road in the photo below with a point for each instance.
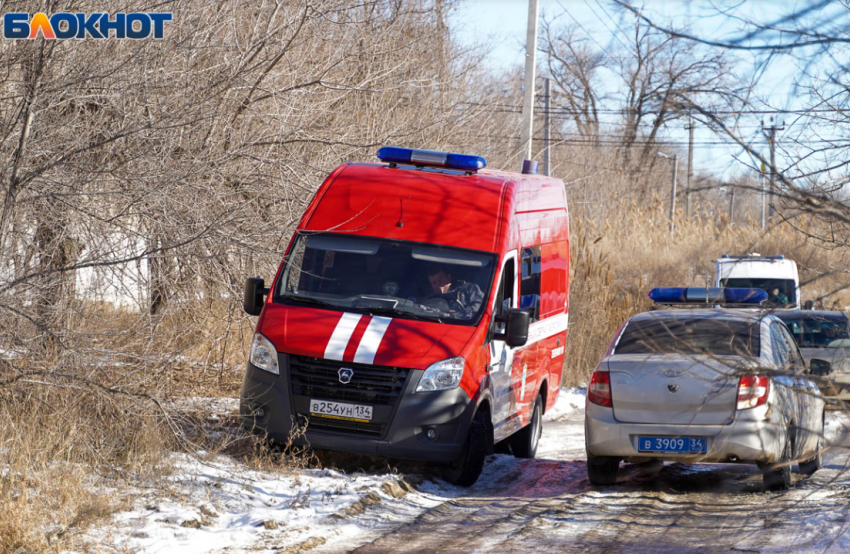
(548, 505)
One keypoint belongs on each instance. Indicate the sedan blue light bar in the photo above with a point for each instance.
(431, 158)
(706, 295)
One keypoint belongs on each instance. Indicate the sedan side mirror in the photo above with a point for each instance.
(820, 367)
(255, 293)
(516, 328)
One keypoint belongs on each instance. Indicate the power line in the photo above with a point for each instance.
(614, 34)
(555, 115)
(620, 141)
(589, 35)
(621, 111)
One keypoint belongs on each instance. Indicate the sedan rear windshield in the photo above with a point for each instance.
(665, 335)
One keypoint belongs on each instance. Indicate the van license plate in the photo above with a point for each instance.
(673, 445)
(339, 410)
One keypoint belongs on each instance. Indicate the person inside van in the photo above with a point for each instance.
(454, 296)
(777, 297)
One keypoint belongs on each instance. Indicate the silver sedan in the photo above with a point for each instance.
(704, 385)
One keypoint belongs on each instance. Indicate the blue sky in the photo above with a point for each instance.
(502, 23)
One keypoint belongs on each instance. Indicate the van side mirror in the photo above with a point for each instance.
(516, 328)
(255, 293)
(819, 367)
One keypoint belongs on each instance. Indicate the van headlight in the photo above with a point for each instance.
(442, 375)
(263, 354)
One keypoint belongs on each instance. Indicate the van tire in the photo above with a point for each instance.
(502, 447)
(524, 442)
(777, 477)
(602, 470)
(464, 471)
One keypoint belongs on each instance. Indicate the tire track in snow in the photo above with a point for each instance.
(548, 506)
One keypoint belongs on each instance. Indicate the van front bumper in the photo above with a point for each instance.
(751, 438)
(268, 407)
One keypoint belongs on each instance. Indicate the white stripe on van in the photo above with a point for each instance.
(341, 335)
(540, 330)
(371, 340)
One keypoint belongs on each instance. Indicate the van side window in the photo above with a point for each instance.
(529, 291)
(504, 298)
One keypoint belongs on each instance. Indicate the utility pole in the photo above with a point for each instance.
(528, 91)
(763, 196)
(732, 205)
(675, 159)
(547, 133)
(690, 128)
(771, 141)
(673, 193)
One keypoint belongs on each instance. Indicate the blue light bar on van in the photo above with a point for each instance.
(706, 295)
(431, 158)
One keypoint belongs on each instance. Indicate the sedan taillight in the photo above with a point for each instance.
(753, 391)
(599, 391)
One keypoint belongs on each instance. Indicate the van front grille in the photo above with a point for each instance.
(376, 386)
(373, 385)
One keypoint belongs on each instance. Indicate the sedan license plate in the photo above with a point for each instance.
(339, 410)
(673, 445)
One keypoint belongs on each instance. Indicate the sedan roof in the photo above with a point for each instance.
(703, 313)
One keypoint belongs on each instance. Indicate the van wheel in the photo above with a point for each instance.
(465, 471)
(808, 467)
(777, 477)
(602, 470)
(502, 447)
(524, 442)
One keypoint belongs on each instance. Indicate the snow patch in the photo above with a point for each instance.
(217, 505)
(568, 402)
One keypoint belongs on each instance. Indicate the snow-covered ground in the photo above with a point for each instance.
(569, 401)
(215, 505)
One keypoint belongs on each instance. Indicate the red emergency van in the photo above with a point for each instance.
(420, 312)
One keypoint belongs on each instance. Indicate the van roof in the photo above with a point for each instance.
(426, 204)
(756, 267)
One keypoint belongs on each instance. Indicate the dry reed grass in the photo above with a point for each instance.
(65, 450)
(617, 260)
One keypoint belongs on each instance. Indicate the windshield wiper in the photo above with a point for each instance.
(311, 300)
(393, 311)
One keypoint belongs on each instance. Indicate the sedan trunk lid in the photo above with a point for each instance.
(675, 389)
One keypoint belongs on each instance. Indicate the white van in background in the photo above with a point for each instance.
(773, 274)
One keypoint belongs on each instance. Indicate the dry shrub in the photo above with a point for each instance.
(66, 447)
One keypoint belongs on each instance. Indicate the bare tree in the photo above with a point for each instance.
(574, 66)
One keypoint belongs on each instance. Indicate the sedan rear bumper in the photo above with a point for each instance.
(752, 437)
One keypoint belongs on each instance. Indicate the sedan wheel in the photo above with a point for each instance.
(810, 466)
(777, 477)
(602, 470)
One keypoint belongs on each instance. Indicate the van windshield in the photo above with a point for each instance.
(387, 277)
(781, 293)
